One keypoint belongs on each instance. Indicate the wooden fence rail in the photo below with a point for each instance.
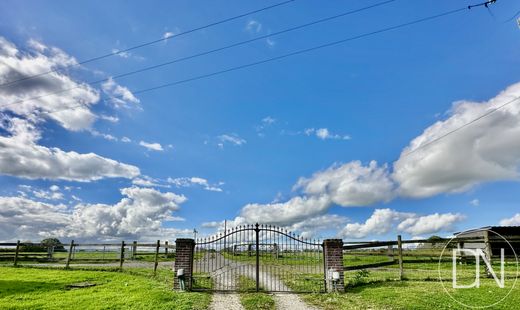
(28, 251)
(421, 255)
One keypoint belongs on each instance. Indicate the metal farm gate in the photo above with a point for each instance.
(258, 258)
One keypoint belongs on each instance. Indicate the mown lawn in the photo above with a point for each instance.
(409, 295)
(35, 288)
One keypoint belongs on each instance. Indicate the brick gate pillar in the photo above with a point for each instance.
(184, 260)
(333, 254)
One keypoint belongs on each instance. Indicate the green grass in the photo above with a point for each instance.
(408, 295)
(38, 288)
(250, 300)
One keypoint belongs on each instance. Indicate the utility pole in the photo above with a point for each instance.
(195, 233)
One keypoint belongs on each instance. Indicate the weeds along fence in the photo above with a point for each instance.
(88, 254)
(398, 259)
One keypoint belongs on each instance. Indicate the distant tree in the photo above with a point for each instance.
(55, 242)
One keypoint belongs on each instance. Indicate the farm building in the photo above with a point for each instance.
(490, 241)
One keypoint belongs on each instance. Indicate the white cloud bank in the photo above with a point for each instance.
(138, 215)
(383, 221)
(20, 155)
(485, 151)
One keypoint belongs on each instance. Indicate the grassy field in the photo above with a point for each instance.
(35, 288)
(137, 288)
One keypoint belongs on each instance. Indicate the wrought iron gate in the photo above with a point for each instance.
(258, 258)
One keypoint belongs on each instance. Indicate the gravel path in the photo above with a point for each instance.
(222, 301)
(291, 302)
(225, 272)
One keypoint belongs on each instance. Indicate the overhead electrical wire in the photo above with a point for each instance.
(272, 59)
(165, 38)
(206, 52)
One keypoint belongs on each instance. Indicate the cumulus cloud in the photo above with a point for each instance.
(287, 213)
(20, 156)
(151, 146)
(428, 224)
(311, 227)
(26, 219)
(383, 221)
(482, 152)
(138, 215)
(513, 221)
(351, 184)
(29, 98)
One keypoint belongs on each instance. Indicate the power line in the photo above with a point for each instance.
(488, 113)
(302, 51)
(119, 52)
(207, 52)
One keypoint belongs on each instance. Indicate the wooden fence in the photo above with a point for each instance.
(401, 252)
(87, 253)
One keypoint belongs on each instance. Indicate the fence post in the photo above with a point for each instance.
(71, 248)
(400, 253)
(333, 254)
(184, 249)
(134, 250)
(156, 261)
(257, 253)
(165, 249)
(122, 256)
(488, 252)
(16, 253)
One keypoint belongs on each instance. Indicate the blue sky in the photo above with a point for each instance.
(234, 146)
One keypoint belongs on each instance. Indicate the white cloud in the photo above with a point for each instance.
(105, 136)
(351, 184)
(232, 139)
(138, 215)
(325, 134)
(70, 109)
(126, 140)
(22, 218)
(120, 96)
(428, 224)
(167, 35)
(486, 151)
(187, 182)
(295, 210)
(383, 221)
(475, 202)
(54, 188)
(20, 156)
(151, 146)
(513, 221)
(112, 119)
(253, 26)
(311, 227)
